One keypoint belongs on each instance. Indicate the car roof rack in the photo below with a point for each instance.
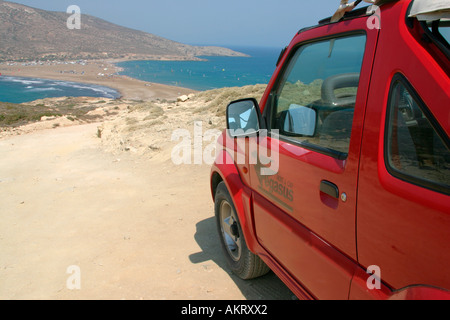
(351, 13)
(348, 15)
(347, 10)
(360, 12)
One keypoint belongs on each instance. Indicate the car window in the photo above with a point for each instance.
(417, 149)
(315, 98)
(442, 30)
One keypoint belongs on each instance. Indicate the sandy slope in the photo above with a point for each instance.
(136, 225)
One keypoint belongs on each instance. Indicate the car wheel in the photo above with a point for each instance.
(241, 260)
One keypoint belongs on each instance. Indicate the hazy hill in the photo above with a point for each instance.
(29, 34)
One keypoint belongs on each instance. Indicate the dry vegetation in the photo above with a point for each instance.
(147, 127)
(216, 101)
(14, 115)
(141, 127)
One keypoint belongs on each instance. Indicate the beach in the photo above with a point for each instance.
(98, 72)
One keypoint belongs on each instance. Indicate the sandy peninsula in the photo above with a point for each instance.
(104, 73)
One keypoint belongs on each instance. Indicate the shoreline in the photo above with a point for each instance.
(98, 72)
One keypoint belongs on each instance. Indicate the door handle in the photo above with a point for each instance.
(329, 188)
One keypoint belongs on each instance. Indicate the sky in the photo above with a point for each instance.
(227, 23)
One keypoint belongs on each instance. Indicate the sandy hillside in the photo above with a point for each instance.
(100, 193)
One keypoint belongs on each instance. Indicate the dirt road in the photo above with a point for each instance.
(134, 228)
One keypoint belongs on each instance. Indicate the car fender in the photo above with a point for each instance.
(224, 169)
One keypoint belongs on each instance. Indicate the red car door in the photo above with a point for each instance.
(305, 209)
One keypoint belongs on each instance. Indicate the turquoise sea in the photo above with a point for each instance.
(21, 89)
(212, 73)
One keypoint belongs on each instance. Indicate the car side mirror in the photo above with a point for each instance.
(243, 117)
(298, 121)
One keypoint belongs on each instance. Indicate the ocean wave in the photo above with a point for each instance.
(26, 81)
(81, 87)
(53, 88)
(91, 87)
(44, 89)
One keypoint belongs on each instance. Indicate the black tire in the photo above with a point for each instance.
(240, 259)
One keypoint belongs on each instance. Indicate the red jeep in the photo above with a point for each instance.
(339, 179)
